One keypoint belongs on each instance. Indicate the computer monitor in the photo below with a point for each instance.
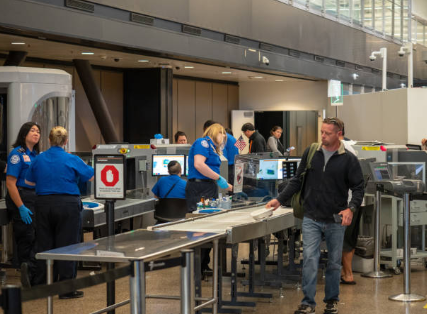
(270, 169)
(186, 165)
(380, 171)
(160, 164)
(289, 169)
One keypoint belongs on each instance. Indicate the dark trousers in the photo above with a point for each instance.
(24, 234)
(58, 225)
(193, 193)
(231, 174)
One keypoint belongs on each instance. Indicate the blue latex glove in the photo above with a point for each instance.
(25, 214)
(222, 183)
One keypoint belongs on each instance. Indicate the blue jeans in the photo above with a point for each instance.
(312, 236)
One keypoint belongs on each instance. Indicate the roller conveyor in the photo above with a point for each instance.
(238, 224)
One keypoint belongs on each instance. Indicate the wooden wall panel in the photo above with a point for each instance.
(203, 106)
(219, 103)
(232, 101)
(112, 90)
(87, 130)
(174, 107)
(187, 108)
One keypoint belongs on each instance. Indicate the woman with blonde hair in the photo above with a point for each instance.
(58, 206)
(203, 173)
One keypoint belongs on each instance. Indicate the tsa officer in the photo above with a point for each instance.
(20, 196)
(55, 174)
(203, 164)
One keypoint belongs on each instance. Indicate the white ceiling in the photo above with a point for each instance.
(50, 50)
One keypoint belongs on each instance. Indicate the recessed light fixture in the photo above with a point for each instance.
(188, 67)
(256, 77)
(87, 53)
(253, 50)
(18, 43)
(279, 80)
(143, 61)
(226, 72)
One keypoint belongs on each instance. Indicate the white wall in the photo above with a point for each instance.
(281, 96)
(419, 8)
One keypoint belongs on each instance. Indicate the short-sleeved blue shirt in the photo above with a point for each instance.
(205, 147)
(56, 172)
(165, 184)
(230, 150)
(18, 162)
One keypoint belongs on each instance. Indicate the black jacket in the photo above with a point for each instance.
(326, 190)
(257, 143)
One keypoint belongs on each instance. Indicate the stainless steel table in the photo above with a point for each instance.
(138, 247)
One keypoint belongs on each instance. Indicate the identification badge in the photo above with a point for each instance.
(26, 158)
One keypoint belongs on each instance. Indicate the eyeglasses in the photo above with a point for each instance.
(334, 121)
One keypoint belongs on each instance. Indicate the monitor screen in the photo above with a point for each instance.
(160, 164)
(270, 169)
(186, 165)
(381, 172)
(289, 169)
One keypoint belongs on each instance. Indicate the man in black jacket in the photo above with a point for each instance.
(257, 142)
(333, 172)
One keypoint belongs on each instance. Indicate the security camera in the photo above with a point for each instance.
(401, 53)
(372, 58)
(177, 68)
(116, 59)
(265, 60)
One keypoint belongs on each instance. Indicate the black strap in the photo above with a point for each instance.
(282, 148)
(170, 189)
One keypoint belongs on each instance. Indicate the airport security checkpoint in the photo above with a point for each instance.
(189, 157)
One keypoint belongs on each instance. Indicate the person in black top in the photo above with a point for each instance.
(257, 142)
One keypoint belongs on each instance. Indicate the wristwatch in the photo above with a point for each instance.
(352, 208)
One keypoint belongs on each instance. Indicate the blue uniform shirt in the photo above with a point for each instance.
(164, 185)
(56, 172)
(230, 150)
(205, 147)
(18, 162)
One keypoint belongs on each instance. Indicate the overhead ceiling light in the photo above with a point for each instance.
(226, 72)
(143, 61)
(279, 80)
(18, 43)
(253, 50)
(188, 67)
(87, 53)
(255, 77)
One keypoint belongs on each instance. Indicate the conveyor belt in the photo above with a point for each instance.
(237, 224)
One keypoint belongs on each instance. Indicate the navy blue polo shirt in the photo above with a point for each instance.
(230, 150)
(56, 172)
(18, 162)
(165, 184)
(205, 147)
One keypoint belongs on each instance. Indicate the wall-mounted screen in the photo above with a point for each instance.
(160, 164)
(270, 169)
(289, 169)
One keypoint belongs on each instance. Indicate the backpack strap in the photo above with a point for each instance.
(166, 195)
(313, 148)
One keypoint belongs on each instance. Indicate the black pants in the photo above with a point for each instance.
(231, 174)
(193, 193)
(58, 224)
(24, 234)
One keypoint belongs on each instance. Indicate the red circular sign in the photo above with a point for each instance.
(109, 176)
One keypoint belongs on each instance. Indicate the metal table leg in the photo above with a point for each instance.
(187, 282)
(49, 274)
(137, 288)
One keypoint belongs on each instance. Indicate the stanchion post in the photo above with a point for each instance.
(137, 288)
(49, 274)
(11, 299)
(377, 273)
(215, 276)
(111, 286)
(407, 296)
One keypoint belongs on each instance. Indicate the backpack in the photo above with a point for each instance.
(297, 201)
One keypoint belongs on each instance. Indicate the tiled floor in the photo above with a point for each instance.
(368, 296)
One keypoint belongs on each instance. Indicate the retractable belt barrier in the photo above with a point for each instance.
(12, 296)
